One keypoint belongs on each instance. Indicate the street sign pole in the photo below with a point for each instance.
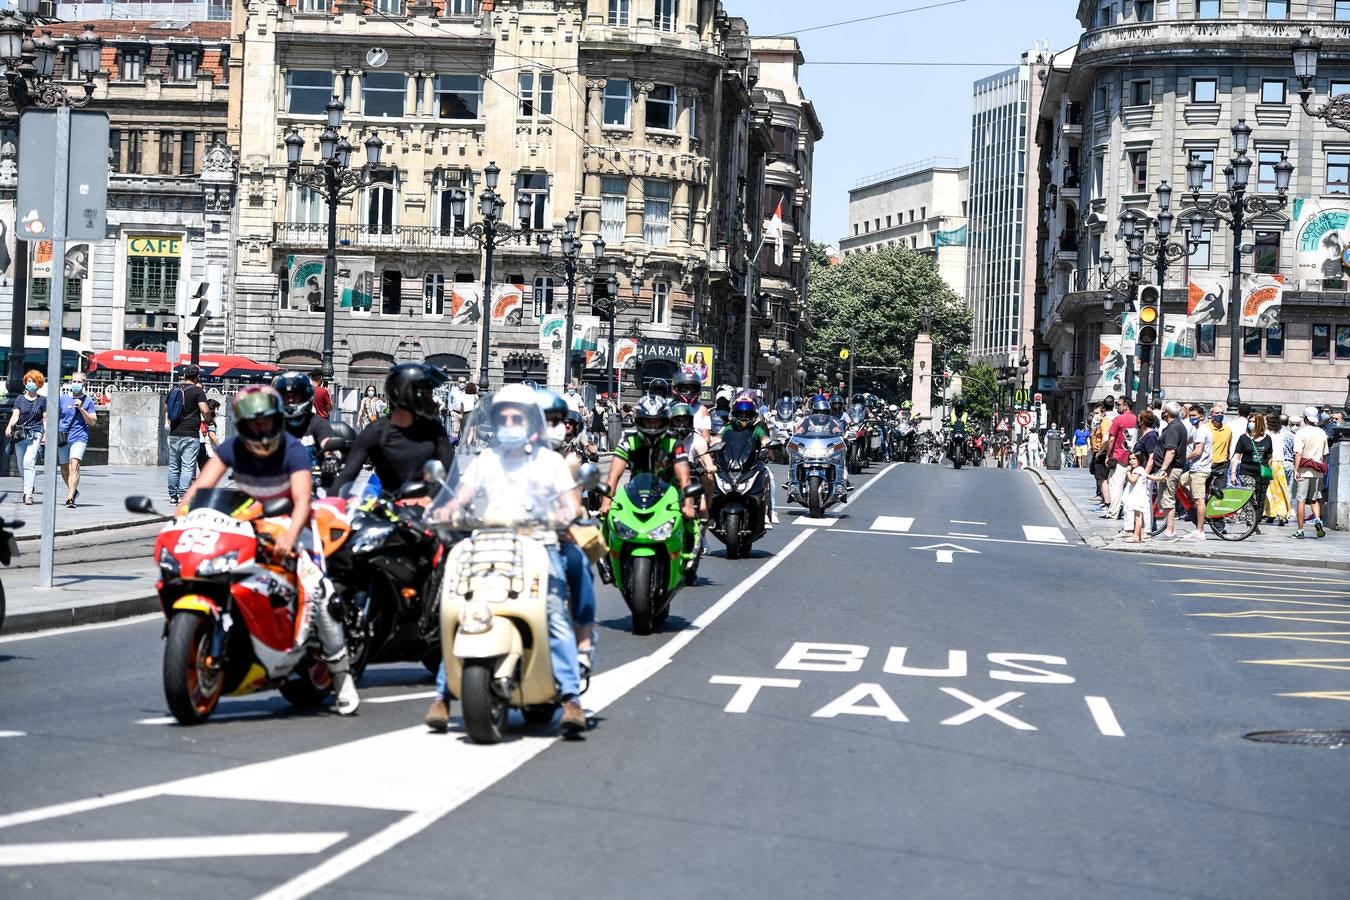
(852, 339)
(56, 308)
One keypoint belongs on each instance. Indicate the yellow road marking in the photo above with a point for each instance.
(1332, 663)
(1287, 589)
(1319, 695)
(1229, 570)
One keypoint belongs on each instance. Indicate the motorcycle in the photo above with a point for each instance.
(902, 441)
(957, 450)
(855, 436)
(740, 494)
(230, 605)
(782, 427)
(816, 466)
(652, 550)
(9, 548)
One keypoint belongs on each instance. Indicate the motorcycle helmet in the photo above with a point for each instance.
(516, 417)
(893, 409)
(553, 407)
(820, 406)
(725, 395)
(658, 387)
(906, 405)
(687, 386)
(651, 418)
(744, 414)
(259, 417)
(297, 395)
(837, 405)
(573, 423)
(412, 386)
(959, 404)
(345, 432)
(681, 419)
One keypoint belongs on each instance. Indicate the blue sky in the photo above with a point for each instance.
(877, 118)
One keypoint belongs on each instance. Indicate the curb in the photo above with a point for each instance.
(1084, 531)
(92, 529)
(86, 614)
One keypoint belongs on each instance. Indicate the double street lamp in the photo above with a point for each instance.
(488, 232)
(1238, 209)
(571, 264)
(610, 309)
(333, 180)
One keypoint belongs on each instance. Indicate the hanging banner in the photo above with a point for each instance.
(1112, 363)
(1129, 334)
(1262, 296)
(1178, 337)
(625, 353)
(353, 282)
(700, 358)
(1321, 238)
(551, 329)
(1207, 303)
(508, 304)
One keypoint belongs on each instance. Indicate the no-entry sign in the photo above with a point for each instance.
(1024, 418)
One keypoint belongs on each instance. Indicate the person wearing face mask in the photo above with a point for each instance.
(78, 413)
(1196, 477)
(371, 408)
(25, 428)
(1223, 437)
(400, 444)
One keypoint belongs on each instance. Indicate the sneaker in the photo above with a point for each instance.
(1298, 535)
(573, 719)
(1321, 531)
(438, 716)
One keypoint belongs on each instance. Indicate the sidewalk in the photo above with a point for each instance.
(1073, 490)
(100, 506)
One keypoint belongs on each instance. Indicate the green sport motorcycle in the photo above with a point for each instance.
(652, 551)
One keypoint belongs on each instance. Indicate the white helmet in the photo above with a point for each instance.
(893, 408)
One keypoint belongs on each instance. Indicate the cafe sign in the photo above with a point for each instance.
(154, 245)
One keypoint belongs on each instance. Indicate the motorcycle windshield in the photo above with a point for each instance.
(785, 409)
(820, 426)
(646, 490)
(505, 475)
(229, 501)
(737, 450)
(858, 412)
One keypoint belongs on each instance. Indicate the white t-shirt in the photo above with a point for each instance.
(516, 484)
(702, 420)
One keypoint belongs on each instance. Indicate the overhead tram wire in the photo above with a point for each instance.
(893, 13)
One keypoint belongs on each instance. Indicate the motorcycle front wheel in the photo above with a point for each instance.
(484, 711)
(641, 584)
(191, 688)
(733, 535)
(813, 502)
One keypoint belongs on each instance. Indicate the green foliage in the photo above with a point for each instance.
(881, 294)
(817, 256)
(979, 385)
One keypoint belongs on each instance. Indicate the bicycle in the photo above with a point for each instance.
(1230, 512)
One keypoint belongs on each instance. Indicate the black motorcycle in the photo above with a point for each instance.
(740, 494)
(902, 436)
(958, 452)
(8, 547)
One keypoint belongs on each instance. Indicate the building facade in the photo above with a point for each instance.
(1001, 265)
(163, 86)
(1149, 88)
(921, 206)
(638, 116)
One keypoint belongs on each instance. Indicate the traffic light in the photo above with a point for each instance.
(1150, 303)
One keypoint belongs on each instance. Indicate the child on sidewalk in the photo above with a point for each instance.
(1136, 503)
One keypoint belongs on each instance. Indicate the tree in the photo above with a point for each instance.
(881, 294)
(817, 256)
(979, 385)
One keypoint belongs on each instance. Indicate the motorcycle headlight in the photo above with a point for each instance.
(661, 532)
(724, 484)
(475, 617)
(168, 564)
(219, 565)
(624, 531)
(367, 539)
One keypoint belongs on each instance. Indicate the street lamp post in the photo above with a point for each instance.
(1238, 209)
(333, 180)
(571, 264)
(29, 65)
(1336, 111)
(490, 231)
(1162, 252)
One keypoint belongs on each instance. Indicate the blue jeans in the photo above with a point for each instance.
(182, 464)
(562, 641)
(580, 584)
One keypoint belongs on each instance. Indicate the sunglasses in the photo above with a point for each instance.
(511, 419)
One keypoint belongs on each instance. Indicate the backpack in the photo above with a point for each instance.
(174, 406)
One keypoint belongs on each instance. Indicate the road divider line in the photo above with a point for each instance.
(203, 847)
(400, 698)
(1104, 716)
(943, 537)
(5, 734)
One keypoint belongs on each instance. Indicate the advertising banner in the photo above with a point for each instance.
(1207, 303)
(1112, 363)
(625, 353)
(1261, 299)
(1321, 238)
(700, 358)
(353, 282)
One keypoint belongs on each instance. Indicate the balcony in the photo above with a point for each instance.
(394, 238)
(1243, 39)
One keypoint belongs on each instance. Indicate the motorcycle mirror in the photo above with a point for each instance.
(140, 504)
(413, 490)
(277, 506)
(588, 477)
(337, 445)
(693, 490)
(434, 471)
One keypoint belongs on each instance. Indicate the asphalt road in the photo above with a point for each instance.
(847, 713)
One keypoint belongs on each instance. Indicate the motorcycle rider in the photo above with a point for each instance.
(268, 463)
(687, 389)
(514, 459)
(695, 446)
(959, 424)
(821, 417)
(721, 411)
(313, 431)
(401, 443)
(650, 448)
(744, 416)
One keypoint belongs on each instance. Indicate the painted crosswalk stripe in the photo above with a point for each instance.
(893, 523)
(203, 847)
(1104, 716)
(809, 522)
(1044, 534)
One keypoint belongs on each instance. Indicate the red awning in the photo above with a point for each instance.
(156, 361)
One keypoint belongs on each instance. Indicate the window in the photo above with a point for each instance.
(305, 206)
(1200, 258)
(308, 91)
(618, 98)
(923, 214)
(1273, 90)
(656, 212)
(187, 153)
(1103, 98)
(1341, 11)
(383, 93)
(530, 103)
(660, 302)
(433, 294)
(1338, 88)
(459, 96)
(1143, 10)
(1207, 9)
(661, 107)
(1206, 157)
(115, 149)
(380, 203)
(184, 65)
(614, 210)
(1338, 173)
(1138, 160)
(1098, 174)
(461, 8)
(389, 7)
(543, 296)
(1266, 261)
(1204, 340)
(693, 116)
(1275, 340)
(134, 152)
(1106, 15)
(1141, 93)
(534, 185)
(666, 14)
(784, 140)
(1321, 342)
(1343, 341)
(1266, 161)
(152, 283)
(313, 6)
(391, 292)
(618, 13)
(1277, 9)
(888, 221)
(1251, 341)
(1204, 90)
(867, 227)
(133, 65)
(166, 153)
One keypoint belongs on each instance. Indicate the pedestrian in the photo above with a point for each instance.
(210, 435)
(1136, 501)
(573, 398)
(1196, 477)
(1310, 467)
(599, 422)
(1165, 467)
(1119, 441)
(1101, 433)
(1237, 428)
(371, 408)
(323, 398)
(185, 431)
(1145, 444)
(1080, 445)
(1278, 501)
(78, 414)
(1223, 438)
(25, 427)
(1251, 459)
(465, 404)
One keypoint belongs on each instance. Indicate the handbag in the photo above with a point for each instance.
(1266, 473)
(591, 541)
(62, 437)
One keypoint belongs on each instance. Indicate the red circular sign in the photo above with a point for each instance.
(1024, 418)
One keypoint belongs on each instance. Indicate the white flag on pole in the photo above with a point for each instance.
(775, 232)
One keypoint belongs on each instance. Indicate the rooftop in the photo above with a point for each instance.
(932, 162)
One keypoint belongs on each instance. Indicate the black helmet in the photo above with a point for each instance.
(837, 403)
(651, 417)
(297, 395)
(744, 413)
(681, 419)
(412, 386)
(259, 418)
(687, 386)
(658, 387)
(959, 404)
(573, 423)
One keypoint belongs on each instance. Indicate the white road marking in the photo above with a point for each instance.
(1104, 716)
(97, 626)
(893, 523)
(5, 734)
(814, 523)
(966, 534)
(400, 698)
(1044, 534)
(946, 553)
(965, 522)
(1020, 543)
(747, 689)
(988, 708)
(222, 714)
(203, 847)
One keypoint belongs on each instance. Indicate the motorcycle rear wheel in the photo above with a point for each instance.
(641, 585)
(190, 688)
(813, 502)
(484, 711)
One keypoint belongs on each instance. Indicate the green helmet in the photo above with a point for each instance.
(259, 417)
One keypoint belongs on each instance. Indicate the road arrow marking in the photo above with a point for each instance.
(946, 553)
(203, 847)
